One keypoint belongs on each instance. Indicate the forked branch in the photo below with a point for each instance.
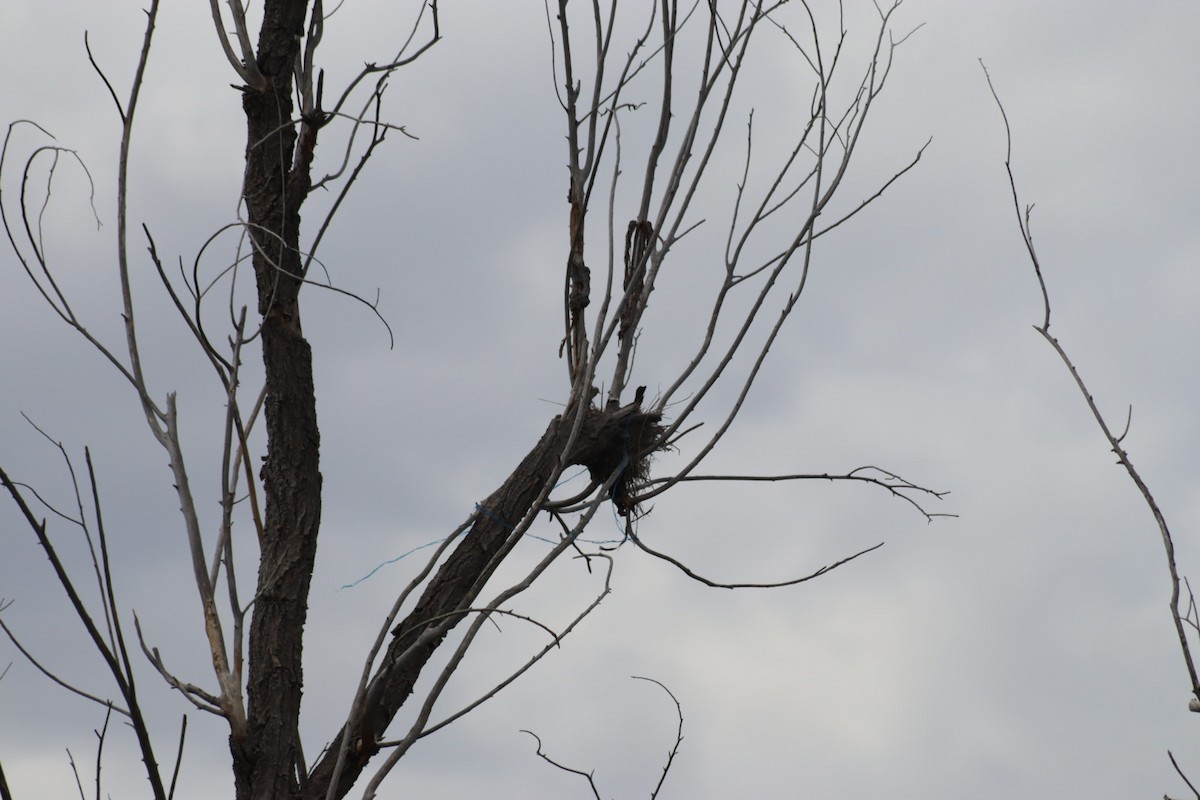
(590, 776)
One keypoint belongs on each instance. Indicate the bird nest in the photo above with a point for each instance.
(619, 443)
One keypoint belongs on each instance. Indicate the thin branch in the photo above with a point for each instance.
(117, 662)
(100, 736)
(893, 483)
(557, 642)
(282, 272)
(195, 695)
(1179, 771)
(400, 59)
(379, 129)
(1023, 221)
(153, 415)
(588, 776)
(518, 532)
(877, 193)
(39, 529)
(35, 265)
(359, 703)
(53, 677)
(107, 84)
(75, 772)
(5, 792)
(178, 757)
(678, 733)
(824, 180)
(633, 537)
(190, 318)
(245, 65)
(108, 589)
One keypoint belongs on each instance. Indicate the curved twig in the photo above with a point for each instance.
(633, 537)
(678, 733)
(53, 677)
(588, 776)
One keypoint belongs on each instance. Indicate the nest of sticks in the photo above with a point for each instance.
(620, 442)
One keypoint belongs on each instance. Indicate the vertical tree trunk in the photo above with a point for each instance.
(277, 182)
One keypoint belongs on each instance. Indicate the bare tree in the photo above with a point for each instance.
(682, 69)
(1185, 615)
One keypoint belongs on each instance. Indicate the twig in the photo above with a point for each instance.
(75, 772)
(107, 84)
(633, 537)
(100, 736)
(1023, 222)
(557, 642)
(53, 677)
(892, 482)
(1175, 764)
(178, 757)
(201, 699)
(588, 776)
(244, 64)
(5, 793)
(678, 733)
(358, 704)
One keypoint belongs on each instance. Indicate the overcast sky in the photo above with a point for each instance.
(1022, 649)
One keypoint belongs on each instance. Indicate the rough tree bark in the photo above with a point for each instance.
(278, 163)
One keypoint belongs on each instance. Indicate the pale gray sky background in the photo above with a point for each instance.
(1023, 649)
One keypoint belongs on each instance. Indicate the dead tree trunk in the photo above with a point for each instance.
(276, 184)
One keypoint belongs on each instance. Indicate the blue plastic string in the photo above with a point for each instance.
(392, 561)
